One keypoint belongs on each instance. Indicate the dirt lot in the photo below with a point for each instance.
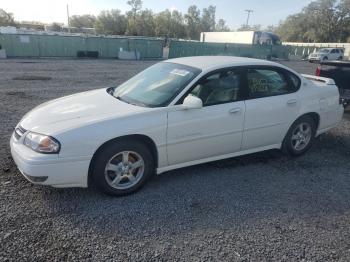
(261, 207)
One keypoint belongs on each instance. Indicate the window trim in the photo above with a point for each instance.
(242, 87)
(280, 70)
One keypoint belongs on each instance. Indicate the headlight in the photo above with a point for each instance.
(42, 143)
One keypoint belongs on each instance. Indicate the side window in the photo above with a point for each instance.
(266, 82)
(295, 82)
(219, 88)
(333, 51)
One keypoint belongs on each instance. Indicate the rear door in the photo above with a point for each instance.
(334, 54)
(272, 105)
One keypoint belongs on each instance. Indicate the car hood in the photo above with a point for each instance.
(75, 109)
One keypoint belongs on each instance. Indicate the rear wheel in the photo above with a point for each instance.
(122, 167)
(340, 58)
(300, 136)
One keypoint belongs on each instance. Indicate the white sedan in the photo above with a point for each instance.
(176, 113)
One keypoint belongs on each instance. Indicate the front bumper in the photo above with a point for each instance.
(48, 169)
(315, 58)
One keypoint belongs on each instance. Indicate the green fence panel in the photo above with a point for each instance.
(114, 45)
(147, 48)
(282, 52)
(188, 48)
(60, 46)
(68, 46)
(302, 51)
(20, 45)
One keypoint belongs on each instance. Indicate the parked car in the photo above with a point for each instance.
(326, 54)
(177, 113)
(340, 72)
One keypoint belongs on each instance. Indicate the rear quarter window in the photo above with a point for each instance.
(294, 80)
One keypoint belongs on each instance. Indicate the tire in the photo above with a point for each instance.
(340, 58)
(325, 59)
(122, 167)
(305, 139)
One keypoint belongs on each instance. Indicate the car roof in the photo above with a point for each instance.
(214, 62)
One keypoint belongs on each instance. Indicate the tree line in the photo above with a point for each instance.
(144, 22)
(320, 21)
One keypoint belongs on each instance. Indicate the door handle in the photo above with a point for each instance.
(292, 102)
(235, 110)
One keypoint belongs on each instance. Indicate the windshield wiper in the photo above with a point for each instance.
(122, 99)
(132, 103)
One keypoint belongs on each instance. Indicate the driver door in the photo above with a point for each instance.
(213, 130)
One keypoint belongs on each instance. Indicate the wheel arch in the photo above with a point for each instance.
(315, 116)
(146, 140)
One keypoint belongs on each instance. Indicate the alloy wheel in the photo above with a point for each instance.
(301, 136)
(124, 170)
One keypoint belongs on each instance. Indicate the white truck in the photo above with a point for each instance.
(242, 37)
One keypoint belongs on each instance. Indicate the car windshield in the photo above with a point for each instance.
(323, 51)
(156, 86)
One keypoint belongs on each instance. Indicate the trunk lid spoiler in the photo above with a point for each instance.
(338, 63)
(327, 81)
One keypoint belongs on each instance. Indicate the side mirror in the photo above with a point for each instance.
(192, 102)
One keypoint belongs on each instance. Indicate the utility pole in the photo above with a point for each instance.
(68, 19)
(248, 15)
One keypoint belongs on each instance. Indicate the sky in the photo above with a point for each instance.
(266, 12)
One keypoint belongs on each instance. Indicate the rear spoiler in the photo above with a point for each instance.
(327, 81)
(341, 63)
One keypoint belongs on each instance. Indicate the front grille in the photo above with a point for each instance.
(19, 132)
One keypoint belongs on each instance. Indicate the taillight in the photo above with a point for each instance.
(318, 71)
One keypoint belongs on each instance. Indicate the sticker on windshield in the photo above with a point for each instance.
(180, 72)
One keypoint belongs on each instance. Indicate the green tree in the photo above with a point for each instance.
(145, 24)
(177, 26)
(208, 19)
(270, 28)
(136, 6)
(221, 26)
(249, 28)
(320, 21)
(80, 21)
(56, 27)
(193, 22)
(163, 23)
(343, 11)
(170, 24)
(6, 19)
(293, 29)
(132, 17)
(111, 22)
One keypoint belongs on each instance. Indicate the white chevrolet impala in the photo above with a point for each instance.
(176, 113)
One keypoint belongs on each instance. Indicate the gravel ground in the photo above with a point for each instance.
(261, 207)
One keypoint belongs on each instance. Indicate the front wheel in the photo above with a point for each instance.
(300, 136)
(122, 167)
